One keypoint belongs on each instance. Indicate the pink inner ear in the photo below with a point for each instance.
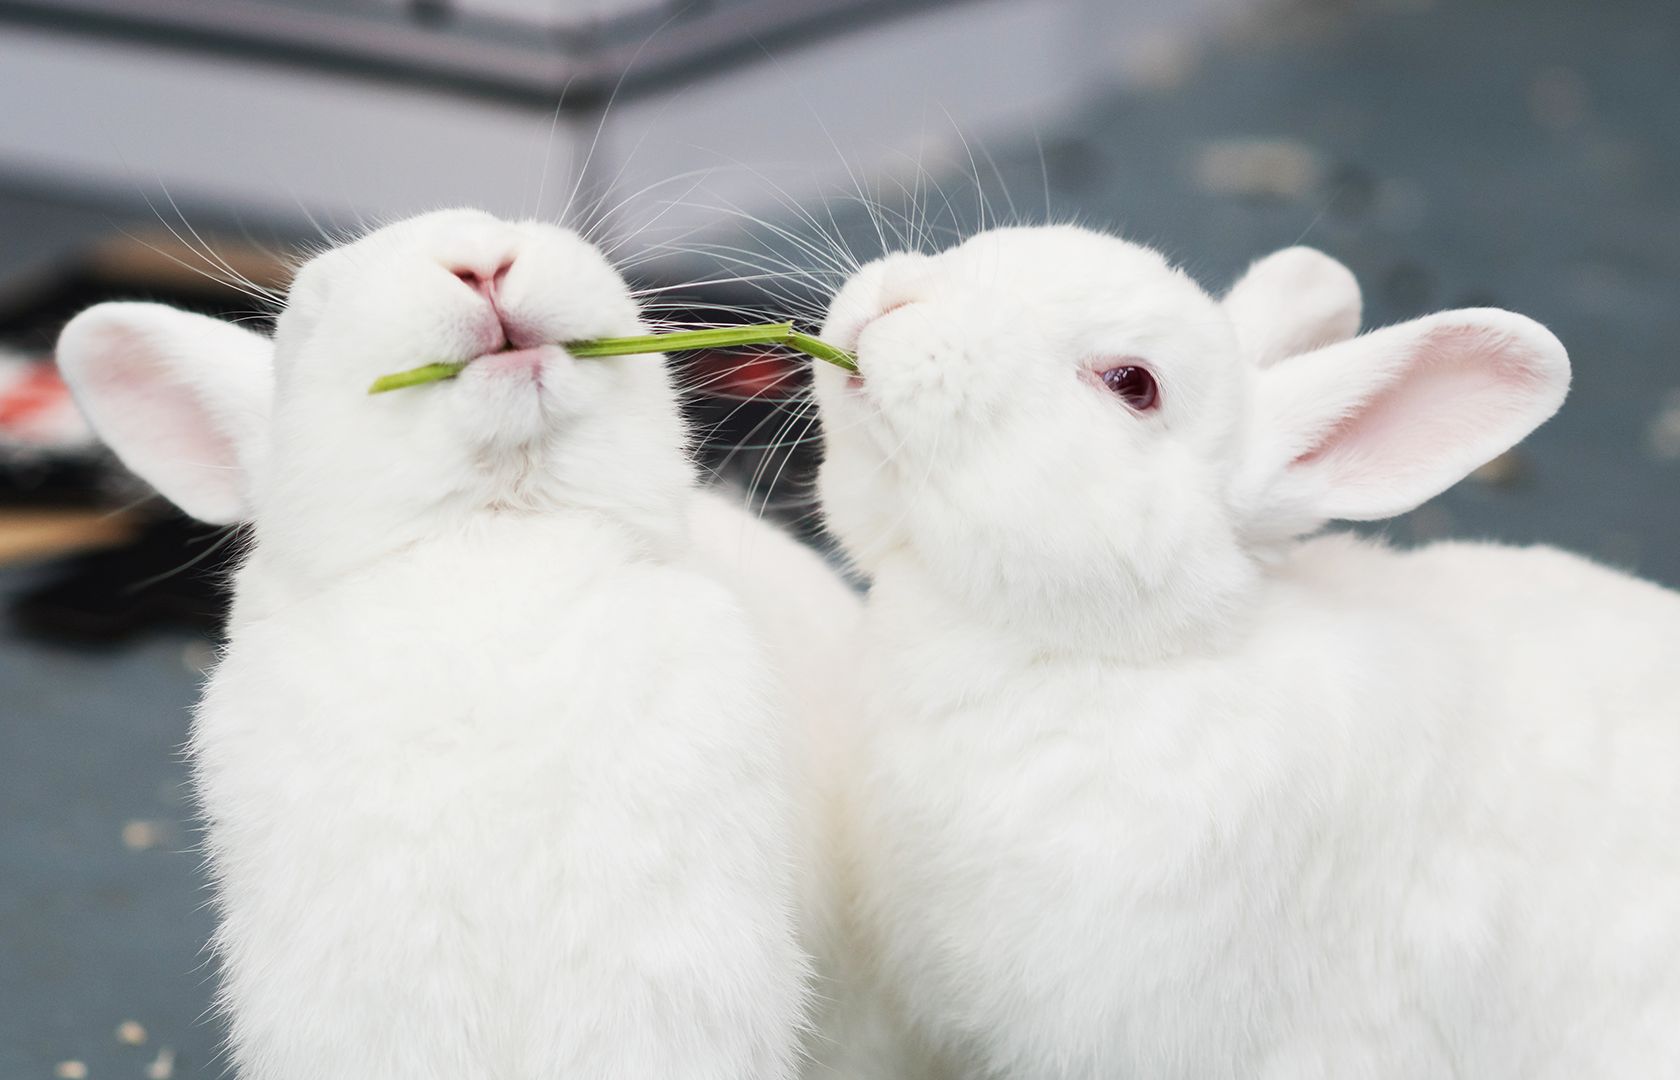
(1452, 405)
(166, 415)
(159, 427)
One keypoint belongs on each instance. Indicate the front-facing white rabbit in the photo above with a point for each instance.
(492, 776)
(1149, 787)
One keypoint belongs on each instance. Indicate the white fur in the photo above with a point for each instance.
(1291, 302)
(811, 619)
(494, 769)
(1150, 788)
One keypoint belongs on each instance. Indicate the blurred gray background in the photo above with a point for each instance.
(1521, 153)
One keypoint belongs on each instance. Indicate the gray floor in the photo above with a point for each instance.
(101, 905)
(1518, 152)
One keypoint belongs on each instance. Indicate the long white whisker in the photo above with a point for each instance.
(548, 148)
(606, 109)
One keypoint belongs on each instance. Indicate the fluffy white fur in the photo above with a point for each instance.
(496, 769)
(1148, 786)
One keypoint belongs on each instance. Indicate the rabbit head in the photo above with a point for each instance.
(232, 425)
(1068, 434)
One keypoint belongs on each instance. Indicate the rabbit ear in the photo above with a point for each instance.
(182, 399)
(1373, 427)
(1293, 301)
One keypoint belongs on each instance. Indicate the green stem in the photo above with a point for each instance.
(415, 376)
(822, 350)
(722, 337)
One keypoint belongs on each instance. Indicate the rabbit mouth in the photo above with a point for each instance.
(855, 379)
(500, 332)
(515, 361)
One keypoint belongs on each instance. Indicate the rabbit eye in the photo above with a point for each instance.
(1133, 385)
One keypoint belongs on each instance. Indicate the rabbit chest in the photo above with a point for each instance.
(521, 791)
(1077, 869)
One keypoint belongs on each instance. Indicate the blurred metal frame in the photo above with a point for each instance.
(501, 58)
(695, 114)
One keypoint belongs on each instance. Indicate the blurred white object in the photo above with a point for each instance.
(300, 109)
(1259, 168)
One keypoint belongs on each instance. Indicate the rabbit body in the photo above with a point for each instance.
(498, 768)
(540, 835)
(1145, 785)
(1382, 833)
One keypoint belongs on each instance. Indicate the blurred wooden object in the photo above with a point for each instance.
(165, 260)
(27, 534)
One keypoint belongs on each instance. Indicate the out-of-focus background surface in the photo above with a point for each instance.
(1522, 153)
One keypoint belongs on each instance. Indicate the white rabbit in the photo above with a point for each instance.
(1149, 786)
(492, 773)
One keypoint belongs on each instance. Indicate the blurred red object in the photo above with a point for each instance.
(724, 373)
(36, 410)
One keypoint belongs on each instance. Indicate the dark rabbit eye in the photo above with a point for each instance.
(1134, 385)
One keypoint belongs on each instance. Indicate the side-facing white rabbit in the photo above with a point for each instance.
(493, 771)
(1150, 786)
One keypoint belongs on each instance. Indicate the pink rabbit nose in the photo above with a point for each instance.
(908, 279)
(481, 282)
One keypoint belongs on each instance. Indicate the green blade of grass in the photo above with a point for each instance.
(822, 350)
(415, 376)
(722, 337)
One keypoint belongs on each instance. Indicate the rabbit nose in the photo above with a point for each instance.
(907, 280)
(501, 322)
(482, 280)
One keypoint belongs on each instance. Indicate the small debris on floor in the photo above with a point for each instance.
(142, 835)
(70, 1070)
(1663, 436)
(131, 1033)
(162, 1066)
(1505, 471)
(1258, 168)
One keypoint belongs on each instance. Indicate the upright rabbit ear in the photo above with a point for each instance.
(1293, 301)
(1373, 427)
(183, 399)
